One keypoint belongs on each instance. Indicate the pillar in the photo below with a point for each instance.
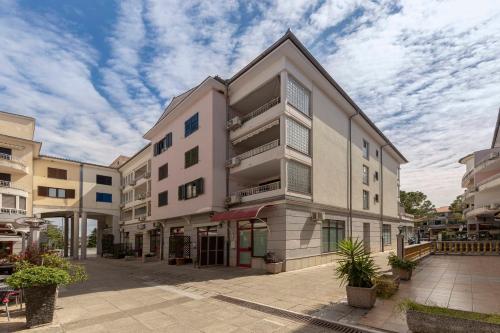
(145, 244)
(100, 227)
(23, 242)
(84, 236)
(70, 236)
(66, 236)
(116, 229)
(75, 236)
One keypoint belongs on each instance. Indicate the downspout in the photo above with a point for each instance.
(349, 171)
(228, 241)
(381, 190)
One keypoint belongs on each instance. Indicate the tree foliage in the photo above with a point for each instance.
(457, 208)
(92, 242)
(54, 236)
(416, 203)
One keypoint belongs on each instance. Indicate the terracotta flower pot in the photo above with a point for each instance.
(40, 305)
(361, 297)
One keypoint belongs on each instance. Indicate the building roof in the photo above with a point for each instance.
(74, 161)
(291, 37)
(496, 137)
(444, 209)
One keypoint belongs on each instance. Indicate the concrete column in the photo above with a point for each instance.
(76, 237)
(84, 235)
(71, 235)
(116, 229)
(400, 246)
(23, 242)
(66, 236)
(34, 236)
(100, 227)
(145, 244)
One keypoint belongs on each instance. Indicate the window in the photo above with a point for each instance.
(163, 171)
(375, 176)
(366, 175)
(4, 177)
(386, 234)
(8, 201)
(297, 136)
(375, 198)
(103, 180)
(332, 232)
(52, 192)
(191, 157)
(298, 96)
(257, 232)
(154, 241)
(57, 173)
(299, 177)
(163, 199)
(366, 200)
(366, 149)
(22, 203)
(5, 151)
(376, 153)
(191, 189)
(163, 144)
(191, 125)
(103, 197)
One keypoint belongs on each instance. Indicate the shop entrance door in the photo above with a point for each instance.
(138, 244)
(244, 244)
(210, 247)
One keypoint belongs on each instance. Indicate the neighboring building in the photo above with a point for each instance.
(305, 166)
(482, 186)
(443, 220)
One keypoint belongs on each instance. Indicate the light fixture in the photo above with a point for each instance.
(400, 229)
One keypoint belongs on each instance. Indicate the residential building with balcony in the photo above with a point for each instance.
(277, 158)
(482, 186)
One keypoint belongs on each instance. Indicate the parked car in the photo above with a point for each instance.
(485, 235)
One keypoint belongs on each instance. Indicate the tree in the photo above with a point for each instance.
(416, 203)
(54, 236)
(457, 208)
(92, 242)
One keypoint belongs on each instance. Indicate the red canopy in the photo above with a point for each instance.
(238, 214)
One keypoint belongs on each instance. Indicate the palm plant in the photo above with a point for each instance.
(356, 268)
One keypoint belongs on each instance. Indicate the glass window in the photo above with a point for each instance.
(191, 125)
(103, 197)
(191, 189)
(61, 193)
(163, 171)
(375, 176)
(104, 180)
(57, 173)
(22, 203)
(297, 136)
(332, 232)
(366, 200)
(259, 239)
(366, 175)
(163, 198)
(163, 144)
(8, 201)
(298, 96)
(366, 149)
(53, 192)
(386, 234)
(191, 157)
(299, 177)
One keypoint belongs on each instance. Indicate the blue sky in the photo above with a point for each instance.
(96, 74)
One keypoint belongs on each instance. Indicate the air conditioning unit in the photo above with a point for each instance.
(493, 155)
(494, 206)
(318, 216)
(235, 161)
(233, 199)
(233, 123)
(142, 218)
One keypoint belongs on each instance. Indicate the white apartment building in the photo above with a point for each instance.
(482, 185)
(278, 158)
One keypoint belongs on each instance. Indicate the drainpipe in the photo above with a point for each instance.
(381, 190)
(349, 171)
(228, 241)
(80, 209)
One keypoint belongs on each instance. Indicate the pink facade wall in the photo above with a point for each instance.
(210, 139)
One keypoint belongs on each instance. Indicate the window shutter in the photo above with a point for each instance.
(182, 192)
(70, 194)
(52, 173)
(63, 174)
(199, 186)
(43, 191)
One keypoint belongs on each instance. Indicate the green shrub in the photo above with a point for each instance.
(38, 276)
(396, 262)
(356, 268)
(76, 272)
(386, 287)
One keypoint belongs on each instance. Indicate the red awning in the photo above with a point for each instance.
(238, 214)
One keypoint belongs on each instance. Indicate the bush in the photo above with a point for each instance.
(356, 268)
(386, 287)
(396, 262)
(76, 272)
(271, 258)
(38, 276)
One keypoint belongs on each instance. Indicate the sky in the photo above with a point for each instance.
(97, 74)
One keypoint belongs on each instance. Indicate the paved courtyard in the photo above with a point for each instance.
(130, 296)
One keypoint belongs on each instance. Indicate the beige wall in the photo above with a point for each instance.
(17, 126)
(90, 188)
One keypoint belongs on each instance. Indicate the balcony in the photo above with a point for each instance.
(256, 193)
(11, 213)
(251, 163)
(484, 210)
(9, 164)
(490, 183)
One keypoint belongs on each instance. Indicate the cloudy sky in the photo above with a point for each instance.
(96, 74)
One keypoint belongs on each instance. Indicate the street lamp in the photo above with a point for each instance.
(34, 223)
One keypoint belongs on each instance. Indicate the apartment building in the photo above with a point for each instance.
(482, 185)
(278, 158)
(46, 187)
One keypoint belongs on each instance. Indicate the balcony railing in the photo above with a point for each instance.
(489, 179)
(13, 211)
(259, 189)
(259, 150)
(140, 196)
(4, 183)
(260, 110)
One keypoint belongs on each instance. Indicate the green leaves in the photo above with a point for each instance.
(356, 268)
(396, 262)
(38, 276)
(416, 203)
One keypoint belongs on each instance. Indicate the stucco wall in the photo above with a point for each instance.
(90, 188)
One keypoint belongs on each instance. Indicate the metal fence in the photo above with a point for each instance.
(179, 247)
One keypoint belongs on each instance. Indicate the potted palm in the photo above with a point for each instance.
(357, 269)
(401, 267)
(273, 264)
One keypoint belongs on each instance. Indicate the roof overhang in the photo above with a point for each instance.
(496, 137)
(238, 214)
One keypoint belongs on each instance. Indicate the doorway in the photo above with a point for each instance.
(210, 247)
(366, 237)
(138, 244)
(252, 241)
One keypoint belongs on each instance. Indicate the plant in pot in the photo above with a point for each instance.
(357, 269)
(401, 267)
(273, 264)
(39, 284)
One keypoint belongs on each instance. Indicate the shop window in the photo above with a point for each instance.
(332, 232)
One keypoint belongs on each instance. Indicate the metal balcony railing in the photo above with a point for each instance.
(259, 150)
(4, 183)
(259, 189)
(260, 110)
(13, 211)
(6, 157)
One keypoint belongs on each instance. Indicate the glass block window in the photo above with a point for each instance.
(297, 136)
(386, 234)
(297, 95)
(299, 177)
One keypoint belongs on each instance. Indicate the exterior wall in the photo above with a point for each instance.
(391, 185)
(207, 142)
(17, 126)
(90, 188)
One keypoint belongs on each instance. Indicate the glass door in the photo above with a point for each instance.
(244, 244)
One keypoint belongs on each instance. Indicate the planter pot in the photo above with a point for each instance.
(274, 268)
(420, 322)
(40, 304)
(361, 297)
(179, 261)
(404, 274)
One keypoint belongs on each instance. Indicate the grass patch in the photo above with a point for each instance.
(484, 317)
